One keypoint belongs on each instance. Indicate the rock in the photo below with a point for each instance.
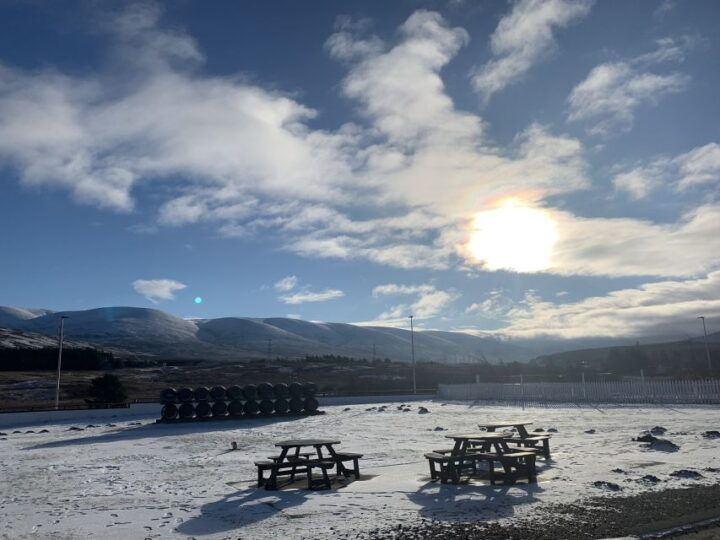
(74, 428)
(552, 430)
(662, 445)
(406, 410)
(649, 479)
(371, 408)
(29, 431)
(423, 410)
(686, 473)
(109, 425)
(3, 434)
(43, 431)
(92, 426)
(346, 409)
(590, 431)
(618, 470)
(712, 469)
(712, 434)
(539, 430)
(609, 486)
(17, 431)
(646, 438)
(438, 428)
(658, 430)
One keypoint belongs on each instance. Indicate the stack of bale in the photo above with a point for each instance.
(247, 401)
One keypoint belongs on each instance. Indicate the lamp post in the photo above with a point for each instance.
(412, 350)
(707, 347)
(60, 346)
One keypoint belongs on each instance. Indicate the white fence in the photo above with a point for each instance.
(667, 391)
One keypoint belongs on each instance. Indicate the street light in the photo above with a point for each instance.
(412, 349)
(60, 345)
(707, 347)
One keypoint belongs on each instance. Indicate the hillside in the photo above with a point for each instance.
(151, 331)
(19, 339)
(678, 358)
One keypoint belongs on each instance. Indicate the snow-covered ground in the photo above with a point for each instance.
(138, 479)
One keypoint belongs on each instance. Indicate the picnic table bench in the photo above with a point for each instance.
(292, 461)
(471, 448)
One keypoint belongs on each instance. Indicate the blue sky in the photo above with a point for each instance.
(521, 167)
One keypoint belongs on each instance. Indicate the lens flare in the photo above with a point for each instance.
(513, 237)
(198, 300)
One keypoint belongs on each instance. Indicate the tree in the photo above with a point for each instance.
(108, 389)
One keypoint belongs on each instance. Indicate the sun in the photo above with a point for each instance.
(513, 237)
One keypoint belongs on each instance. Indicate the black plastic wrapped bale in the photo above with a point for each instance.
(311, 404)
(169, 411)
(281, 406)
(219, 408)
(309, 389)
(296, 390)
(218, 393)
(203, 410)
(236, 408)
(266, 406)
(265, 391)
(296, 405)
(251, 407)
(250, 392)
(202, 393)
(169, 395)
(187, 411)
(185, 395)
(281, 391)
(234, 392)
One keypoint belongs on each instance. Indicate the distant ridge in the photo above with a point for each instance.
(151, 331)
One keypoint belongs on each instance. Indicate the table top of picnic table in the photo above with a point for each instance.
(509, 423)
(306, 442)
(481, 435)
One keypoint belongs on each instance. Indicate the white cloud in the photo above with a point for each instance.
(100, 139)
(612, 92)
(345, 44)
(691, 169)
(306, 295)
(303, 294)
(662, 309)
(495, 306)
(156, 290)
(523, 38)
(286, 284)
(633, 247)
(429, 301)
(669, 49)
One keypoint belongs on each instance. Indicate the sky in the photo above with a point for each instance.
(525, 168)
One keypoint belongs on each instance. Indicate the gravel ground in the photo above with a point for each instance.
(605, 517)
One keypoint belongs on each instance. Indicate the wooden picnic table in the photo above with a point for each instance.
(486, 441)
(465, 454)
(519, 425)
(290, 455)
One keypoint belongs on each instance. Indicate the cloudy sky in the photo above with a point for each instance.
(525, 167)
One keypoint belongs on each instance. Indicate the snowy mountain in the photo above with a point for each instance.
(152, 331)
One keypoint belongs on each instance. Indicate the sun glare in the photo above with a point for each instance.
(513, 237)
